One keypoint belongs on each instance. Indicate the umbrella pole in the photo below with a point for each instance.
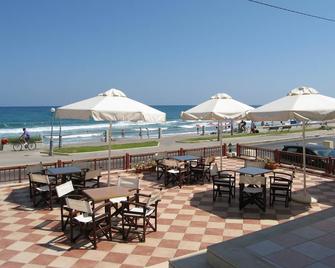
(304, 197)
(220, 129)
(231, 127)
(109, 151)
(304, 153)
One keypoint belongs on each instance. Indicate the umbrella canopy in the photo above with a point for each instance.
(303, 103)
(112, 105)
(219, 107)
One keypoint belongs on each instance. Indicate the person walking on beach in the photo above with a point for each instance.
(148, 134)
(122, 133)
(25, 136)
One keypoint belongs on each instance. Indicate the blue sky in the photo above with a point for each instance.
(162, 52)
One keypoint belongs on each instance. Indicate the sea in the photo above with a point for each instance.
(38, 121)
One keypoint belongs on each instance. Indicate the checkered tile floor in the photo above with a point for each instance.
(188, 221)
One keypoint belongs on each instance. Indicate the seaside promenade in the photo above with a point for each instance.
(9, 157)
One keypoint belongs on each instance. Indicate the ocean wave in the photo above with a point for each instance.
(187, 126)
(88, 135)
(102, 126)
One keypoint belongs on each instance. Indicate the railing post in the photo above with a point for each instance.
(204, 152)
(181, 151)
(238, 150)
(277, 156)
(224, 150)
(124, 162)
(329, 166)
(59, 163)
(20, 179)
(127, 161)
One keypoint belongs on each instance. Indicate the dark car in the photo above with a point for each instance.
(314, 154)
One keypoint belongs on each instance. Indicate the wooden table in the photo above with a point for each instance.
(253, 171)
(185, 158)
(63, 172)
(104, 194)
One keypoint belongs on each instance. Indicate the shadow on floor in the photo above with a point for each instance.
(324, 192)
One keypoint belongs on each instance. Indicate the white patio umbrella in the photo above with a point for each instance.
(219, 107)
(112, 105)
(304, 104)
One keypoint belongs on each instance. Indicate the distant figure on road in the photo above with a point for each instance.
(25, 136)
(253, 127)
(242, 125)
(140, 134)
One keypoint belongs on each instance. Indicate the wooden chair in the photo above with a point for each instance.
(63, 191)
(281, 186)
(137, 215)
(83, 165)
(37, 169)
(202, 170)
(253, 191)
(92, 179)
(42, 187)
(223, 182)
(133, 183)
(92, 223)
(175, 172)
(160, 168)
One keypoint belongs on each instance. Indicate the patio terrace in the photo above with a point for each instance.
(188, 221)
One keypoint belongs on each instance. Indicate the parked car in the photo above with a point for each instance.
(313, 152)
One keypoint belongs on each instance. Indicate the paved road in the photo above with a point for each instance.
(10, 158)
(280, 144)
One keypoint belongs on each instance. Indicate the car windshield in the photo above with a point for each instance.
(325, 152)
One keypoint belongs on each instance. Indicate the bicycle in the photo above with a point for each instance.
(21, 144)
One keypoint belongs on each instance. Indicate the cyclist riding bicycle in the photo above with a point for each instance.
(25, 136)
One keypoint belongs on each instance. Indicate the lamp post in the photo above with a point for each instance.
(52, 110)
(60, 136)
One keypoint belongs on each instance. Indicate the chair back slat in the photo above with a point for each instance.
(92, 174)
(155, 196)
(129, 182)
(37, 168)
(39, 178)
(209, 160)
(64, 189)
(284, 175)
(214, 170)
(254, 163)
(256, 180)
(79, 205)
(171, 163)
